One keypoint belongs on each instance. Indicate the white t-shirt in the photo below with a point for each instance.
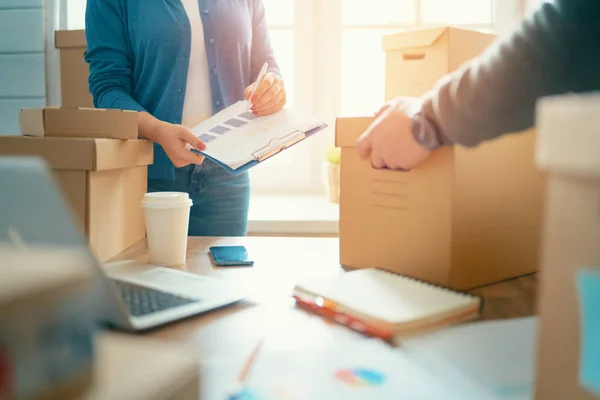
(198, 97)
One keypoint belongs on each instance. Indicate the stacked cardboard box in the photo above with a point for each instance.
(45, 304)
(96, 155)
(74, 70)
(568, 364)
(49, 346)
(141, 368)
(465, 217)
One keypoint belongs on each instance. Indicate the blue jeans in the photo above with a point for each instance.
(220, 200)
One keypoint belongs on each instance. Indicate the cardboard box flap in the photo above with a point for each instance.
(143, 368)
(70, 39)
(348, 130)
(79, 122)
(50, 270)
(556, 149)
(81, 153)
(112, 154)
(412, 38)
(32, 121)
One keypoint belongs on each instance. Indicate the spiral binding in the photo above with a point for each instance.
(438, 286)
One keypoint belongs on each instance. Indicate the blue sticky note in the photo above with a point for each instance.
(588, 284)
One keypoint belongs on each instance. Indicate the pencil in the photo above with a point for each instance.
(243, 375)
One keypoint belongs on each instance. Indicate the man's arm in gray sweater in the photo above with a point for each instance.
(556, 50)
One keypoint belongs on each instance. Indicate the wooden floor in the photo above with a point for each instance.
(509, 299)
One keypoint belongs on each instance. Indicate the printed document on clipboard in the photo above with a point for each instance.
(238, 140)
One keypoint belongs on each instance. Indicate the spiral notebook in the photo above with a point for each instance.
(387, 305)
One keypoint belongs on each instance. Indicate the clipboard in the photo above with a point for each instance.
(273, 146)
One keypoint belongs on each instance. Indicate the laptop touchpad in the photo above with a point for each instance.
(171, 278)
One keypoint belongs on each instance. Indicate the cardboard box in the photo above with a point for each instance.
(463, 218)
(568, 148)
(104, 181)
(141, 368)
(78, 122)
(416, 59)
(74, 71)
(45, 302)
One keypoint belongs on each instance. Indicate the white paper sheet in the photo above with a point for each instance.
(232, 135)
(496, 356)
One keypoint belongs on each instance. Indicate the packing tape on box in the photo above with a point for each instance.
(588, 284)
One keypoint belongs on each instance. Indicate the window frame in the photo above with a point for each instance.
(317, 28)
(325, 35)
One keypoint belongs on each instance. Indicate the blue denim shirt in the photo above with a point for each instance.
(138, 53)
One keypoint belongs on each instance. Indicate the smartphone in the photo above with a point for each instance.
(230, 256)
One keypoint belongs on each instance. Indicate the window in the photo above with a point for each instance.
(75, 14)
(290, 170)
(362, 31)
(330, 55)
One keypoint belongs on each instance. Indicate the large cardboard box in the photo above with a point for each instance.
(45, 302)
(416, 59)
(569, 330)
(74, 71)
(104, 181)
(78, 122)
(466, 217)
(463, 218)
(143, 368)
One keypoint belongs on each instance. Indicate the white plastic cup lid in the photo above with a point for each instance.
(166, 200)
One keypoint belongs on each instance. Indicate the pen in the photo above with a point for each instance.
(238, 391)
(260, 77)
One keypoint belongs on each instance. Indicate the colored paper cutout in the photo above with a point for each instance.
(247, 394)
(219, 130)
(588, 283)
(235, 122)
(248, 115)
(360, 377)
(206, 138)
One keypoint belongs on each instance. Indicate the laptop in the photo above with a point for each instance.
(130, 296)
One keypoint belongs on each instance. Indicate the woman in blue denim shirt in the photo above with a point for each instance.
(177, 62)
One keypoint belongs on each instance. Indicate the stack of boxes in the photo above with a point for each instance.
(46, 323)
(98, 160)
(73, 68)
(50, 347)
(465, 217)
(568, 352)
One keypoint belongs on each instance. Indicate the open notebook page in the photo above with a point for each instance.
(233, 135)
(387, 297)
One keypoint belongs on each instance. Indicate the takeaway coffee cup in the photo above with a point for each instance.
(167, 217)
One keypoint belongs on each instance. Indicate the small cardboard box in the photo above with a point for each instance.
(74, 71)
(104, 180)
(569, 330)
(142, 368)
(463, 218)
(78, 122)
(416, 59)
(45, 302)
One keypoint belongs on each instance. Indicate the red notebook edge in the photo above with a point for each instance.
(342, 319)
(310, 304)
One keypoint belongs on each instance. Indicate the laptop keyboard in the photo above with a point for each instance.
(142, 300)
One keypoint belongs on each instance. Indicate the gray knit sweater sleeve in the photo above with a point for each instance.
(556, 50)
